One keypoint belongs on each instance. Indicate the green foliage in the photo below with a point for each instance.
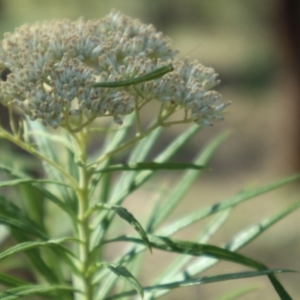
(80, 191)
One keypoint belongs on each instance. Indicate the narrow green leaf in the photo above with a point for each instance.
(15, 182)
(124, 214)
(19, 292)
(122, 272)
(29, 245)
(135, 267)
(140, 166)
(127, 216)
(201, 280)
(60, 253)
(195, 249)
(282, 293)
(11, 281)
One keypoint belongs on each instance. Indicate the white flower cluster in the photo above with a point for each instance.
(49, 69)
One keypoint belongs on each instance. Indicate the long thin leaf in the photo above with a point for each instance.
(124, 214)
(15, 182)
(122, 272)
(11, 281)
(19, 292)
(195, 249)
(29, 245)
(201, 280)
(153, 166)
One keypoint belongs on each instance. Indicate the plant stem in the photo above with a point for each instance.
(83, 229)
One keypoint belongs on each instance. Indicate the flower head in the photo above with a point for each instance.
(52, 66)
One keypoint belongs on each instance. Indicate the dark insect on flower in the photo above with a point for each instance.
(4, 73)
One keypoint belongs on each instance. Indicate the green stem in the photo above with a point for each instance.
(84, 282)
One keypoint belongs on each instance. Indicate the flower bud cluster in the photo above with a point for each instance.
(52, 66)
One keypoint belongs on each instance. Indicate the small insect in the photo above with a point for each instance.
(147, 77)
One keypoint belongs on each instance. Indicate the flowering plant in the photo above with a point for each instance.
(69, 74)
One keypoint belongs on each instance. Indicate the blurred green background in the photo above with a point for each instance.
(246, 43)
